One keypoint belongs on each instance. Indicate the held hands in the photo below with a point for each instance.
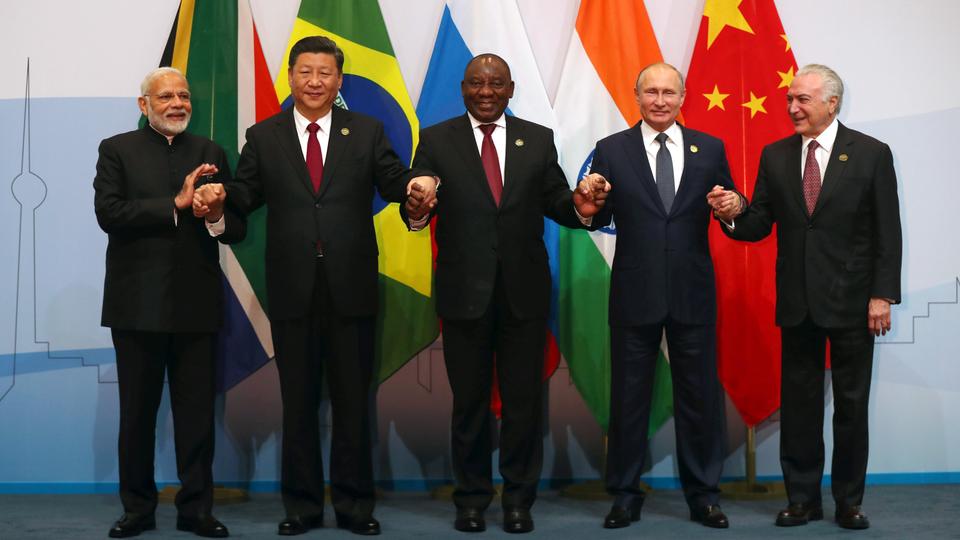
(726, 204)
(591, 194)
(184, 198)
(878, 316)
(421, 197)
(208, 202)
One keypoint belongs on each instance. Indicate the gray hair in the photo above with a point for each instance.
(156, 74)
(832, 85)
(683, 87)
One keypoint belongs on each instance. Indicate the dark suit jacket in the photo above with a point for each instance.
(831, 263)
(474, 237)
(272, 171)
(662, 264)
(160, 277)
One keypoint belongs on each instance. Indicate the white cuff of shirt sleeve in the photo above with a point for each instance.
(587, 221)
(419, 224)
(732, 225)
(215, 228)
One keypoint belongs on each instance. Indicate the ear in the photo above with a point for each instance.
(833, 105)
(142, 103)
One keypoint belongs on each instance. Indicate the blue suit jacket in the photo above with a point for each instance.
(662, 265)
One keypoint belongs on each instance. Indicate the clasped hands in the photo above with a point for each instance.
(207, 200)
(591, 194)
(726, 204)
(421, 196)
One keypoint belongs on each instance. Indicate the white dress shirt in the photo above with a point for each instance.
(825, 140)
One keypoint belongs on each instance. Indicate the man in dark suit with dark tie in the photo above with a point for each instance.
(662, 281)
(162, 298)
(499, 177)
(315, 167)
(832, 192)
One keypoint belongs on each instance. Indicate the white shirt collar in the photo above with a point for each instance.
(500, 122)
(825, 139)
(302, 122)
(649, 134)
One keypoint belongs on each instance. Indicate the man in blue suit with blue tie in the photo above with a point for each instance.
(662, 281)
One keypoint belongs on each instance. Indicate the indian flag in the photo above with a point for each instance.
(612, 43)
(373, 85)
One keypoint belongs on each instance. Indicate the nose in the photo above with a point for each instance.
(792, 107)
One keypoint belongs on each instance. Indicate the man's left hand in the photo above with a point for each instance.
(421, 196)
(591, 194)
(878, 316)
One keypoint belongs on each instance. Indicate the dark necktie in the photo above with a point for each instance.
(665, 185)
(314, 157)
(491, 163)
(811, 177)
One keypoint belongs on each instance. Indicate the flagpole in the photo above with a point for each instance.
(749, 489)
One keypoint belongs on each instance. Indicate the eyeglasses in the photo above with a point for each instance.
(167, 97)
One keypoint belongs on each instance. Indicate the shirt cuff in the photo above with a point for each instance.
(215, 228)
(419, 224)
(587, 221)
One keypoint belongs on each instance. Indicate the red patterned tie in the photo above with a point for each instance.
(491, 164)
(811, 177)
(314, 157)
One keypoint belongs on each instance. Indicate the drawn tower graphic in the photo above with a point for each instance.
(29, 190)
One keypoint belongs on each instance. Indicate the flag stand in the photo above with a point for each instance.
(595, 490)
(750, 489)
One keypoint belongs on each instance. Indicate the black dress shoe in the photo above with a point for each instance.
(470, 520)
(131, 525)
(364, 524)
(799, 514)
(622, 516)
(206, 526)
(294, 525)
(851, 517)
(517, 520)
(710, 516)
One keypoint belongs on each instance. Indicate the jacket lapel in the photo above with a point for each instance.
(337, 145)
(286, 130)
(834, 173)
(514, 160)
(794, 174)
(690, 162)
(461, 134)
(636, 152)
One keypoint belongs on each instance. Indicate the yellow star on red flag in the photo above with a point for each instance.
(786, 78)
(721, 14)
(787, 40)
(755, 104)
(716, 99)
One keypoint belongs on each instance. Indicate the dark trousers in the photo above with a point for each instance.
(187, 358)
(469, 349)
(342, 346)
(802, 406)
(697, 403)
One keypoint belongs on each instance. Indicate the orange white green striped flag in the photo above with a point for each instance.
(612, 42)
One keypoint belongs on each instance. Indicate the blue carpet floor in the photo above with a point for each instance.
(896, 512)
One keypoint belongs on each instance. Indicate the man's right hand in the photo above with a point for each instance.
(726, 204)
(184, 198)
(421, 197)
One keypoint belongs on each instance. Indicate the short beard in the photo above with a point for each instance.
(167, 127)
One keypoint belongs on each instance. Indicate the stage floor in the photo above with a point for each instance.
(896, 512)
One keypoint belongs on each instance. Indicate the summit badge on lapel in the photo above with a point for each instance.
(345, 131)
(518, 142)
(843, 157)
(694, 149)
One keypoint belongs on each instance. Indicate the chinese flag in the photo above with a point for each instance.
(741, 68)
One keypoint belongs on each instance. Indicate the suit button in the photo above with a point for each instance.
(317, 205)
(810, 227)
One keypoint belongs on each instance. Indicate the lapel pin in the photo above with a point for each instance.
(345, 131)
(843, 157)
(694, 149)
(518, 142)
